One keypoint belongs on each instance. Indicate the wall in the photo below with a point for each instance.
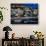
(23, 30)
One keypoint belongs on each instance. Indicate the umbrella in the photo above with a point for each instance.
(7, 28)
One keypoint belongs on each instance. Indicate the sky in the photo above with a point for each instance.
(32, 5)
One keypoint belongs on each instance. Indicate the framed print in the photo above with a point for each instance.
(24, 13)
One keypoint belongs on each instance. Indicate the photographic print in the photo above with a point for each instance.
(24, 13)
